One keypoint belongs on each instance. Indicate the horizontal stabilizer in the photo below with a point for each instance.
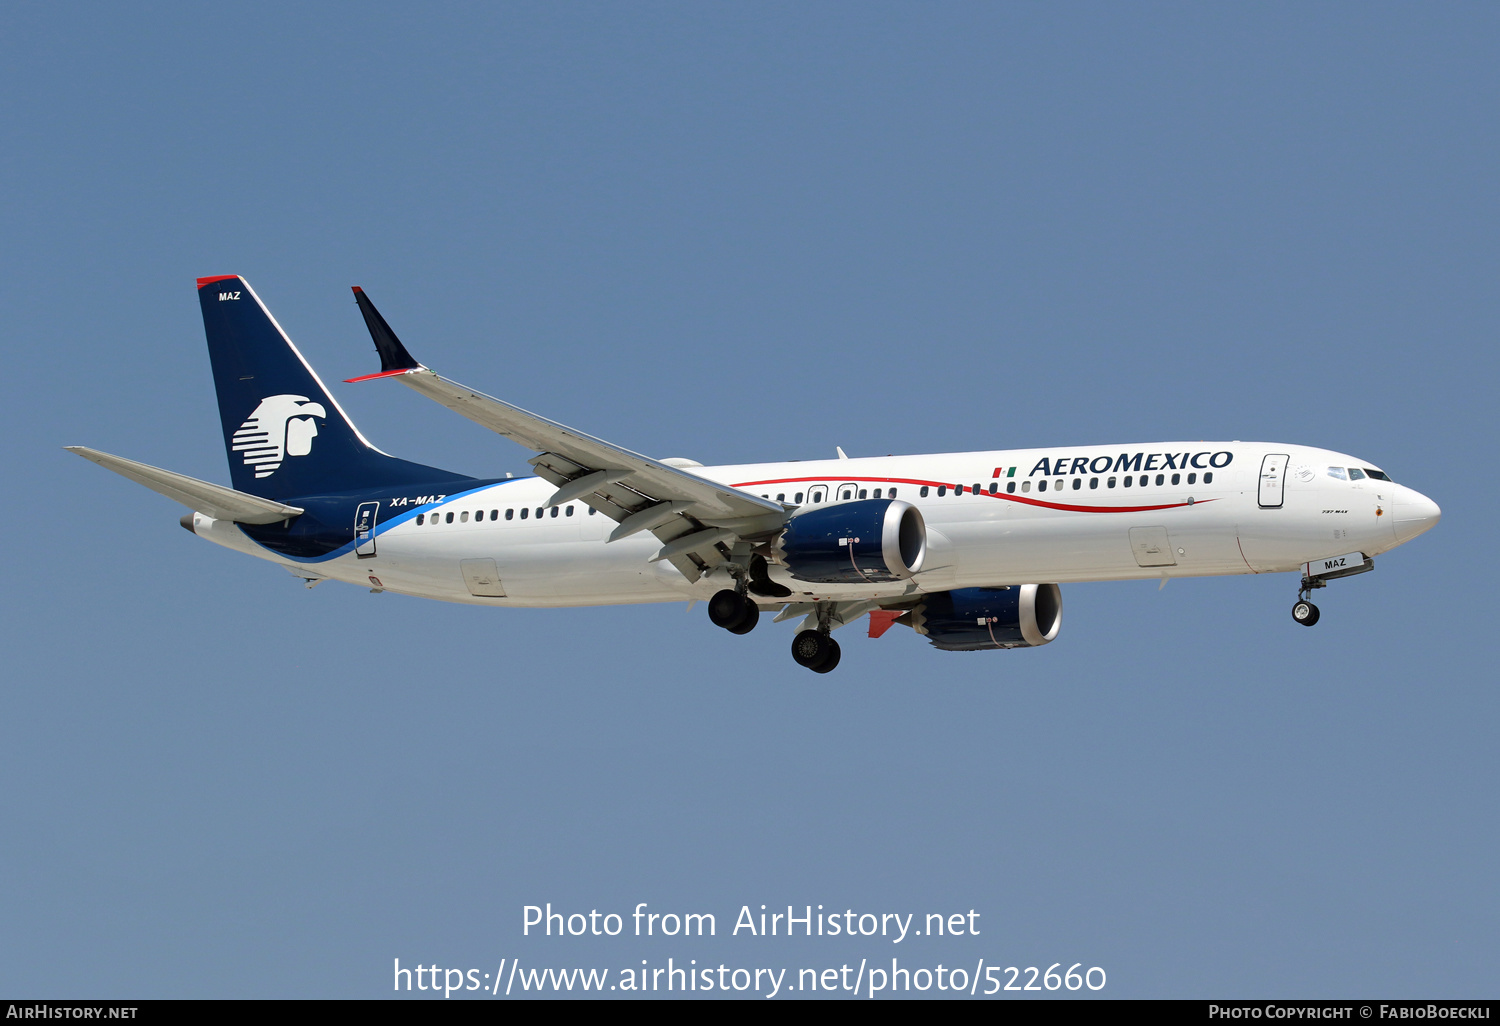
(209, 499)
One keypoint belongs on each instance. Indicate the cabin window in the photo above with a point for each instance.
(494, 514)
(539, 511)
(1077, 483)
(1057, 485)
(958, 489)
(1110, 483)
(1208, 478)
(554, 511)
(1010, 486)
(448, 518)
(525, 513)
(463, 518)
(994, 487)
(1355, 474)
(1161, 478)
(1192, 478)
(592, 511)
(942, 491)
(797, 497)
(977, 489)
(864, 493)
(781, 496)
(510, 514)
(420, 518)
(1127, 481)
(923, 492)
(890, 494)
(570, 509)
(1093, 482)
(1041, 486)
(1176, 478)
(846, 494)
(1025, 486)
(877, 493)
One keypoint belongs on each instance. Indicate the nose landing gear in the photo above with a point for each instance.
(1303, 611)
(1318, 573)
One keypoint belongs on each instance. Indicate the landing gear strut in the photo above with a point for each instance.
(733, 612)
(816, 651)
(1303, 611)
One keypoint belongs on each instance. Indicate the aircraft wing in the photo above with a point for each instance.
(207, 498)
(693, 516)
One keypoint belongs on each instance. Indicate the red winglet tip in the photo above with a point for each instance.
(217, 277)
(380, 374)
(356, 288)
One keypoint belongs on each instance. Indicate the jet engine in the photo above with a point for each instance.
(866, 542)
(974, 619)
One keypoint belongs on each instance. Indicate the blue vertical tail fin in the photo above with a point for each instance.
(285, 435)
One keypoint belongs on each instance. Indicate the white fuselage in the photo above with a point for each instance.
(1041, 515)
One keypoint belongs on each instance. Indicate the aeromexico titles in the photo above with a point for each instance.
(968, 549)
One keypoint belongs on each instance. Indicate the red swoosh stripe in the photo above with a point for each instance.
(1069, 507)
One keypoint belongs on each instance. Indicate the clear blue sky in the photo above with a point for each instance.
(735, 233)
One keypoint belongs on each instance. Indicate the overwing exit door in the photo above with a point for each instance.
(1273, 480)
(364, 529)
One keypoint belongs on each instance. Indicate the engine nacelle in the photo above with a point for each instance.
(866, 542)
(974, 619)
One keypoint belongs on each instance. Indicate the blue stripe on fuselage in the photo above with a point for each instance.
(326, 530)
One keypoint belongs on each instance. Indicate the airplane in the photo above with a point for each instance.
(968, 549)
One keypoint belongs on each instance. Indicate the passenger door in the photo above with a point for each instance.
(1273, 480)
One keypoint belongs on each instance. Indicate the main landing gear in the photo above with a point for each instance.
(1303, 611)
(738, 614)
(733, 612)
(816, 651)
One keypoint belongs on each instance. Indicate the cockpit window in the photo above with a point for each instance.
(1338, 472)
(1355, 474)
(1378, 475)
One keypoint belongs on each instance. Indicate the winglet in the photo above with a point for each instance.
(394, 359)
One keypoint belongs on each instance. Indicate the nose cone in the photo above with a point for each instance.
(1414, 513)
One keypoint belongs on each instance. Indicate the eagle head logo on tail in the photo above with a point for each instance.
(281, 426)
